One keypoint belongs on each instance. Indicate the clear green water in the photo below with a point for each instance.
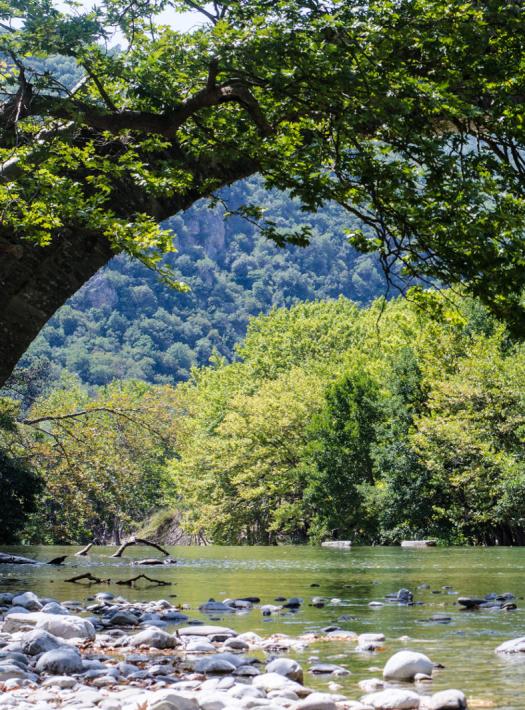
(465, 646)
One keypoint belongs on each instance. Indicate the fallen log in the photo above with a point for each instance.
(57, 560)
(131, 582)
(16, 560)
(89, 578)
(154, 562)
(83, 552)
(139, 541)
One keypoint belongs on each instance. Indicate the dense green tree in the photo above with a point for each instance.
(19, 482)
(408, 114)
(341, 437)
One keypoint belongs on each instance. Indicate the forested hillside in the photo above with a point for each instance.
(373, 424)
(125, 323)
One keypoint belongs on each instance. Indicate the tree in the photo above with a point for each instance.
(341, 438)
(100, 457)
(408, 114)
(20, 484)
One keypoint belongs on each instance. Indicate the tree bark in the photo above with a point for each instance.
(36, 281)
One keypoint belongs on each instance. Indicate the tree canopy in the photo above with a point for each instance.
(407, 113)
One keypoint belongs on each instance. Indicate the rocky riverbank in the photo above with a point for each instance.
(117, 655)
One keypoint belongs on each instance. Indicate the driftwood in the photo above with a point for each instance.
(83, 552)
(130, 582)
(57, 560)
(19, 560)
(16, 560)
(139, 541)
(90, 579)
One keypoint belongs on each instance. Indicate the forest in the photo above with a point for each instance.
(403, 419)
(265, 276)
(127, 323)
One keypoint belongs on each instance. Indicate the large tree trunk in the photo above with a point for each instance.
(36, 281)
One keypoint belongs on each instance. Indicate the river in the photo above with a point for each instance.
(465, 645)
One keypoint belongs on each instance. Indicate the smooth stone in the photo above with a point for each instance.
(246, 691)
(512, 646)
(200, 646)
(213, 607)
(316, 701)
(60, 681)
(67, 627)
(28, 600)
(392, 699)
(371, 685)
(39, 641)
(10, 671)
(286, 667)
(213, 665)
(275, 681)
(451, 699)
(246, 671)
(236, 644)
(470, 602)
(154, 638)
(55, 608)
(328, 669)
(216, 632)
(174, 616)
(60, 661)
(123, 618)
(404, 665)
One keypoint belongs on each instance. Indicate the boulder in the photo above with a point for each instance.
(214, 665)
(316, 701)
(287, 667)
(392, 699)
(218, 633)
(10, 671)
(154, 638)
(170, 700)
(66, 627)
(404, 665)
(328, 669)
(55, 608)
(213, 607)
(512, 646)
(470, 602)
(123, 618)
(28, 600)
(275, 681)
(39, 641)
(448, 700)
(60, 661)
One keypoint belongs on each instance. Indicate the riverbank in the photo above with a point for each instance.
(118, 655)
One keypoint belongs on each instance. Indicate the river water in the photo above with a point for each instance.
(465, 645)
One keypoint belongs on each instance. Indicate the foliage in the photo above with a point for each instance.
(125, 324)
(408, 114)
(20, 484)
(101, 458)
(371, 424)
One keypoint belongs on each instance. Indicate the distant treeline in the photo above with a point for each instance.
(398, 420)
